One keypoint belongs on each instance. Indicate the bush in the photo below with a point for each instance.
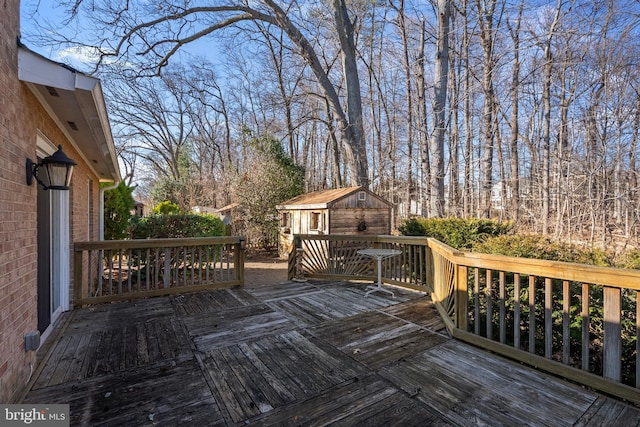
(458, 233)
(176, 226)
(629, 259)
(118, 203)
(541, 247)
(166, 208)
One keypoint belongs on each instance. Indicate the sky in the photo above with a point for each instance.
(36, 15)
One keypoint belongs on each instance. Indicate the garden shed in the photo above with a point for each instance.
(352, 210)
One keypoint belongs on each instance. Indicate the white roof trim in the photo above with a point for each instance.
(94, 142)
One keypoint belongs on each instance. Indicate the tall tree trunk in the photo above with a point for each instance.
(454, 132)
(546, 129)
(467, 187)
(515, 129)
(632, 182)
(440, 77)
(423, 139)
(486, 11)
(354, 130)
(402, 26)
(350, 124)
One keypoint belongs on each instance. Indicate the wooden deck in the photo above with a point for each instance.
(312, 353)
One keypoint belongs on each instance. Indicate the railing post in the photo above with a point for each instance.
(291, 260)
(167, 268)
(461, 297)
(239, 260)
(77, 277)
(430, 275)
(612, 342)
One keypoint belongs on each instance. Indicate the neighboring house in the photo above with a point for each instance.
(231, 216)
(138, 209)
(45, 105)
(353, 210)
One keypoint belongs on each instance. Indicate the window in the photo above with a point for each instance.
(285, 219)
(315, 221)
(362, 196)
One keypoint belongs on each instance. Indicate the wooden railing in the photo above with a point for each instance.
(115, 270)
(577, 321)
(336, 257)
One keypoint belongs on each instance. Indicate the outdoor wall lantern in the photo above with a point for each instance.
(57, 168)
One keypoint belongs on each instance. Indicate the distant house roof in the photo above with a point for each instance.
(322, 199)
(228, 208)
(76, 102)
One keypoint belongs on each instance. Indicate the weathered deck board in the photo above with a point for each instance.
(328, 304)
(215, 330)
(167, 393)
(211, 301)
(274, 371)
(419, 311)
(608, 412)
(297, 353)
(376, 339)
(468, 382)
(83, 355)
(283, 290)
(367, 402)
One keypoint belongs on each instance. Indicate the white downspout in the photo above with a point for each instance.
(101, 209)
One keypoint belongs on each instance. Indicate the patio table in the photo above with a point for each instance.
(379, 254)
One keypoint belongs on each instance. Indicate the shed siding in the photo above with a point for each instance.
(345, 221)
(352, 202)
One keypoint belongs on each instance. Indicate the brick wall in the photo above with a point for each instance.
(17, 219)
(21, 117)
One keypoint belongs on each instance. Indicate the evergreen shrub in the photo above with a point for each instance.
(458, 233)
(176, 226)
(541, 247)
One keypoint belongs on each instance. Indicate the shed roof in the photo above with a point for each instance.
(322, 199)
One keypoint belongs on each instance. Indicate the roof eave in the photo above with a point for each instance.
(83, 104)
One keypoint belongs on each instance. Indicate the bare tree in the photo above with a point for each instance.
(152, 119)
(154, 33)
(439, 114)
(486, 17)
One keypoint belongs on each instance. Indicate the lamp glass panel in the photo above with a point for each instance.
(58, 175)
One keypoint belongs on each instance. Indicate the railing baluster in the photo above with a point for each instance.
(110, 270)
(100, 272)
(532, 314)
(548, 318)
(128, 270)
(489, 299)
(585, 326)
(119, 271)
(167, 268)
(209, 250)
(503, 310)
(184, 267)
(516, 310)
(476, 300)
(612, 343)
(566, 337)
(637, 295)
(156, 281)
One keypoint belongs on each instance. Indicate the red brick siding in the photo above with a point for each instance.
(21, 116)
